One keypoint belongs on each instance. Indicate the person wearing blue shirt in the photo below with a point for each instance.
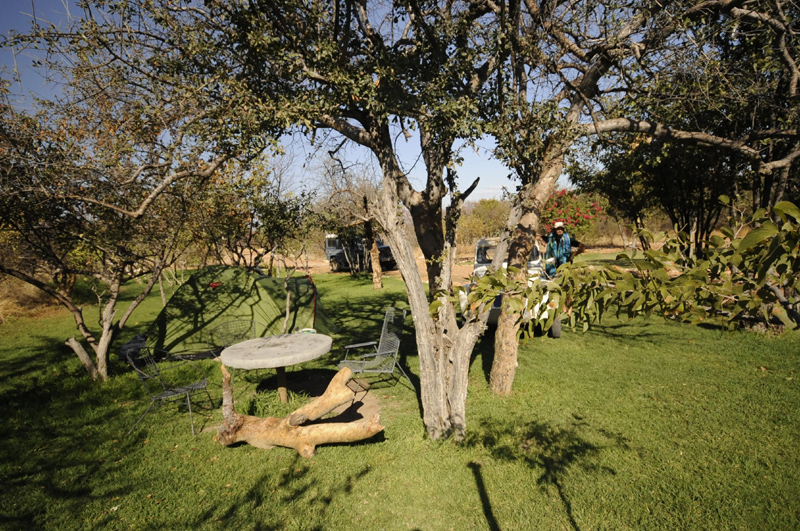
(559, 248)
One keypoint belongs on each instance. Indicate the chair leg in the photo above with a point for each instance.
(210, 400)
(406, 375)
(358, 386)
(152, 402)
(189, 403)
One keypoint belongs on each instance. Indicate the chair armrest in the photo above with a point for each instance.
(360, 345)
(376, 354)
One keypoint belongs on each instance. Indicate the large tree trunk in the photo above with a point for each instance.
(444, 348)
(504, 365)
(290, 431)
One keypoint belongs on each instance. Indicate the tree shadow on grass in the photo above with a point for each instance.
(294, 488)
(39, 354)
(644, 332)
(550, 450)
(641, 328)
(59, 437)
(64, 441)
(486, 503)
(484, 350)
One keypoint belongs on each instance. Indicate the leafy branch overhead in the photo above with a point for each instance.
(755, 276)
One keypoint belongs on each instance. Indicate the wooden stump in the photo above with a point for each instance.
(292, 431)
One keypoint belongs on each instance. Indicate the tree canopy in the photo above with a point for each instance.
(72, 206)
(594, 69)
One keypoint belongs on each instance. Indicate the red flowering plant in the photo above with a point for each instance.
(579, 212)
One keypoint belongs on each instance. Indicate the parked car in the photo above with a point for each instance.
(343, 257)
(485, 251)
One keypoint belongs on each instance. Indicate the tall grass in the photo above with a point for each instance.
(641, 425)
(18, 298)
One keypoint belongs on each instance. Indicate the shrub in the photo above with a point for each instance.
(579, 212)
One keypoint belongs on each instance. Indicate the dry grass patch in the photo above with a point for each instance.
(18, 299)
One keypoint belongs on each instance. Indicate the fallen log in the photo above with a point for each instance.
(291, 431)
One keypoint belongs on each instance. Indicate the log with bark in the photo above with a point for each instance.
(292, 430)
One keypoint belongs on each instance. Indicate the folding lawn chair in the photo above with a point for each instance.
(384, 359)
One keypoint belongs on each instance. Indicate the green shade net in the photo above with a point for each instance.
(218, 294)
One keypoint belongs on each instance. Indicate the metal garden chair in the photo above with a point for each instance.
(166, 378)
(384, 359)
(232, 332)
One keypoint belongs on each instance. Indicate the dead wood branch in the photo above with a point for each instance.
(292, 430)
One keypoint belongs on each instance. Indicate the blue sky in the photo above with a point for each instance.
(477, 163)
(17, 15)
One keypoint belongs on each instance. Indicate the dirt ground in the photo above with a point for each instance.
(461, 271)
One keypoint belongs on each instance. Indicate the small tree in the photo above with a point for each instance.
(349, 191)
(244, 217)
(64, 217)
(287, 222)
(682, 181)
(225, 217)
(96, 183)
(482, 218)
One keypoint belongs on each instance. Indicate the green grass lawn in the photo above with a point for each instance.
(602, 259)
(642, 425)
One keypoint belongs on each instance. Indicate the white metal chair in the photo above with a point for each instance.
(384, 359)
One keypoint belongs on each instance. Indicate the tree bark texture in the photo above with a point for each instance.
(374, 253)
(377, 270)
(504, 365)
(86, 360)
(292, 431)
(444, 348)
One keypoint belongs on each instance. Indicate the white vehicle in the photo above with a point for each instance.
(485, 253)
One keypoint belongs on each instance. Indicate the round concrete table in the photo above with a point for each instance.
(276, 352)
